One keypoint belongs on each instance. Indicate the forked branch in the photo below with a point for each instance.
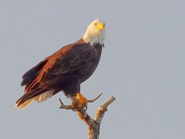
(93, 124)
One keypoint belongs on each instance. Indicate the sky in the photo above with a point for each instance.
(142, 66)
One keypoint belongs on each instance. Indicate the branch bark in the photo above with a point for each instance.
(93, 124)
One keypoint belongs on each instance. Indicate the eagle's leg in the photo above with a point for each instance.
(80, 102)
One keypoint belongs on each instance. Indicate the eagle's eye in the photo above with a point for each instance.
(95, 24)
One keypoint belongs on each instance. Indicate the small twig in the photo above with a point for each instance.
(94, 99)
(67, 107)
(108, 102)
(61, 101)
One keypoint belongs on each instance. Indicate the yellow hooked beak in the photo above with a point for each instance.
(101, 26)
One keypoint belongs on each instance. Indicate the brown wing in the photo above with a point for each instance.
(72, 63)
(62, 65)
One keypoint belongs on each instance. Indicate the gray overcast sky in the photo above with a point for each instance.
(142, 65)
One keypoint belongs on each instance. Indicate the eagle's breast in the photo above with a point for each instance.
(92, 63)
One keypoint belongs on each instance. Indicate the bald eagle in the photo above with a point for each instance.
(66, 69)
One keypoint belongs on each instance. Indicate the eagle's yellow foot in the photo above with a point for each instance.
(80, 102)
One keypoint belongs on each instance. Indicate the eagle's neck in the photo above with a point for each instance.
(96, 45)
(94, 39)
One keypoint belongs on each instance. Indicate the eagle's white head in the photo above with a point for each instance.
(95, 33)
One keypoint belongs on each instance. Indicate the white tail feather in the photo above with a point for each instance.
(43, 97)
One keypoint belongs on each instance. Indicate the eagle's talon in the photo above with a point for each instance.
(79, 103)
(85, 108)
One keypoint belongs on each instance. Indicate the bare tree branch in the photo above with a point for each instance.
(93, 124)
(101, 110)
(94, 99)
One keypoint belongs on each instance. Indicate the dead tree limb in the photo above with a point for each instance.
(93, 124)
